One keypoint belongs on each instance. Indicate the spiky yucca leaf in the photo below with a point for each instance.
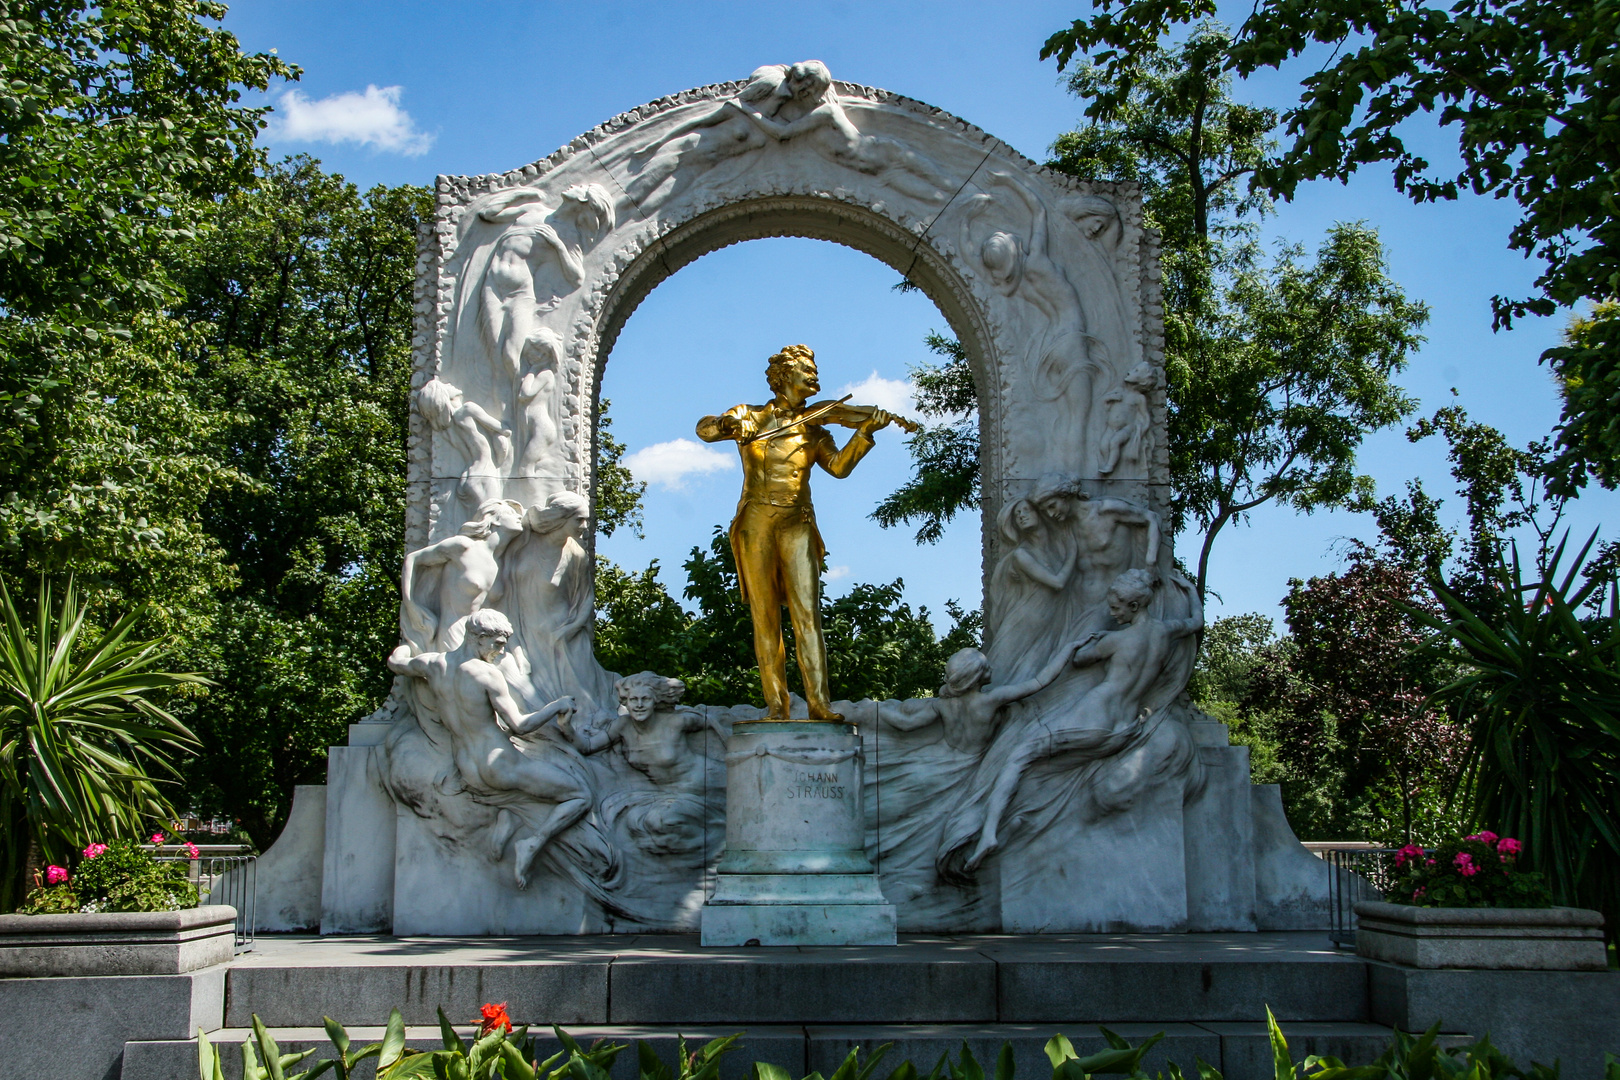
(84, 741)
(1542, 698)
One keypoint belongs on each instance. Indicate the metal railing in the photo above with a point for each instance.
(225, 879)
(1355, 874)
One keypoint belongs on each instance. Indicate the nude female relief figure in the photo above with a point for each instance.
(480, 438)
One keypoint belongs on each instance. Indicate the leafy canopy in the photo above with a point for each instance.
(1528, 88)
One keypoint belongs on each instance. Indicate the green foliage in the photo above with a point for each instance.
(119, 123)
(299, 303)
(82, 733)
(511, 1056)
(1541, 692)
(1474, 871)
(1276, 372)
(1527, 86)
(121, 876)
(1501, 491)
(877, 646)
(944, 455)
(618, 492)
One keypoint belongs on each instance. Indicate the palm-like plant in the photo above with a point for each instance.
(1542, 697)
(81, 734)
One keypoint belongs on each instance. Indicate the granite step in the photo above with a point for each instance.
(1240, 1050)
(670, 981)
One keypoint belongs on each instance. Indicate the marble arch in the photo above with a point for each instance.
(1051, 284)
(512, 786)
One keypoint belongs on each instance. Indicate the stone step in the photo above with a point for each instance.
(669, 980)
(1240, 1050)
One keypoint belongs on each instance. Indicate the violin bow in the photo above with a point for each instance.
(767, 436)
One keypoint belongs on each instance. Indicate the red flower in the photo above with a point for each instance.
(93, 850)
(1508, 847)
(157, 838)
(1465, 864)
(1486, 836)
(1407, 853)
(495, 1018)
(55, 875)
(191, 850)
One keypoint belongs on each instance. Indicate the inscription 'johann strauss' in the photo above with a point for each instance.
(815, 785)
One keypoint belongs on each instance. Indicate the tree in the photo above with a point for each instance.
(298, 297)
(1277, 370)
(1529, 88)
(119, 123)
(944, 456)
(877, 646)
(1363, 655)
(84, 741)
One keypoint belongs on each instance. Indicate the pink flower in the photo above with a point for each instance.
(93, 850)
(1408, 853)
(55, 875)
(1508, 847)
(1465, 864)
(1417, 893)
(191, 850)
(1428, 862)
(1486, 836)
(157, 838)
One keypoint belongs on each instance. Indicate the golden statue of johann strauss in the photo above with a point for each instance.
(774, 537)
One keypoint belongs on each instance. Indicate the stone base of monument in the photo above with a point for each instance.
(795, 870)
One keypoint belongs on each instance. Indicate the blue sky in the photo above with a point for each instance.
(398, 92)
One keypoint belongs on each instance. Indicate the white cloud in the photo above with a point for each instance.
(895, 395)
(372, 118)
(668, 464)
(837, 573)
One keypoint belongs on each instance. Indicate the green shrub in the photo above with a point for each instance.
(120, 876)
(1481, 870)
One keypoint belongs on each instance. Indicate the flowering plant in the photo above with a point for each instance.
(1481, 870)
(120, 876)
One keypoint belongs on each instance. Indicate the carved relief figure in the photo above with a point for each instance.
(651, 732)
(482, 718)
(1105, 543)
(547, 584)
(1136, 661)
(698, 145)
(1063, 368)
(1026, 589)
(537, 403)
(1128, 435)
(966, 705)
(443, 583)
(536, 261)
(482, 441)
(774, 538)
(815, 112)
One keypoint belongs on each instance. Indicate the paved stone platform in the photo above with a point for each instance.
(804, 1008)
(667, 979)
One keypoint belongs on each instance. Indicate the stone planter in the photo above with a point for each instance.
(1526, 939)
(132, 943)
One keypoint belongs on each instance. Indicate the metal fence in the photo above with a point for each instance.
(1355, 874)
(225, 879)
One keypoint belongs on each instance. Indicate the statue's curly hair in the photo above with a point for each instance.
(776, 367)
(667, 692)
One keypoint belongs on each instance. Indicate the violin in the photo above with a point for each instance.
(837, 412)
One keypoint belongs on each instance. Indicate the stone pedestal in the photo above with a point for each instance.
(795, 870)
